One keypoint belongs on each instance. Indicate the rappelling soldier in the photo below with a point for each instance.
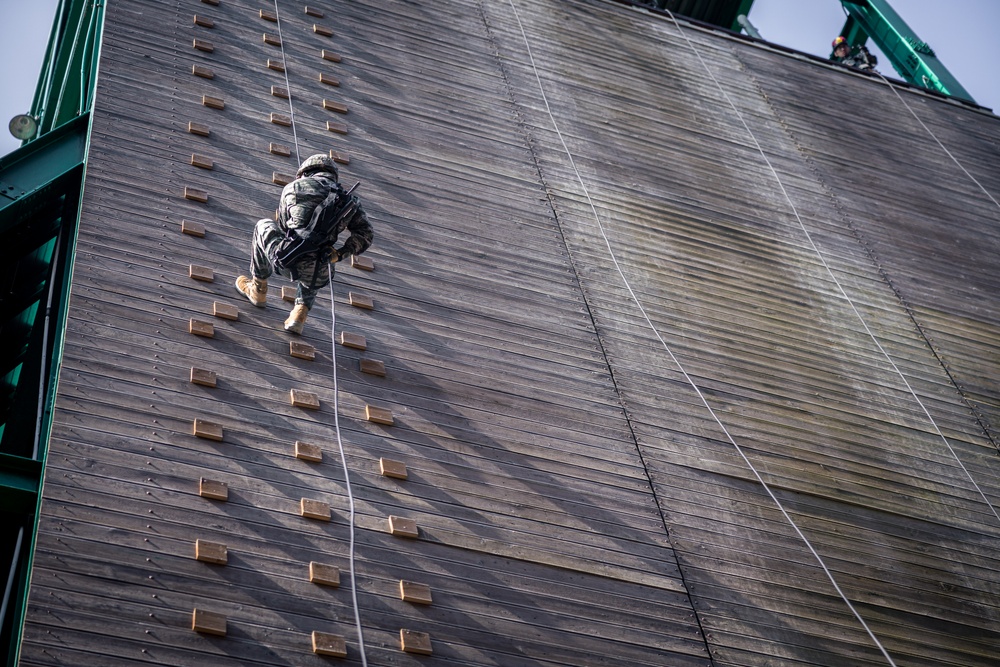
(856, 56)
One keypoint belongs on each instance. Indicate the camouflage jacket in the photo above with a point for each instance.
(859, 57)
(300, 198)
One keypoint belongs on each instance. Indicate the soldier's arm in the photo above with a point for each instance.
(361, 235)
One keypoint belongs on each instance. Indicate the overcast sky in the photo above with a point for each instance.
(965, 35)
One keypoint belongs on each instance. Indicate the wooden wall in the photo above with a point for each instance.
(576, 503)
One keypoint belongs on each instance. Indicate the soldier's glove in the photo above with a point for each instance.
(335, 257)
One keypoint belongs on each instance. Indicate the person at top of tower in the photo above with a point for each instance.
(856, 56)
(314, 210)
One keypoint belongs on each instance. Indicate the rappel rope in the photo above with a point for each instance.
(670, 353)
(336, 388)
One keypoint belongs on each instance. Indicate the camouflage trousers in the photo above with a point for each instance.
(312, 275)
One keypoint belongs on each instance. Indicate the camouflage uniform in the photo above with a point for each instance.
(298, 200)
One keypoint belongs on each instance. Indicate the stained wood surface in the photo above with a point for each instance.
(577, 504)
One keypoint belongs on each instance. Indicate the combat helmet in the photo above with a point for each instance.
(318, 162)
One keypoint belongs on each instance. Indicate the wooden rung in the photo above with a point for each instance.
(202, 273)
(208, 623)
(373, 367)
(199, 129)
(203, 72)
(192, 229)
(211, 552)
(362, 301)
(329, 80)
(403, 527)
(268, 16)
(225, 311)
(331, 56)
(280, 149)
(304, 399)
(279, 119)
(312, 11)
(394, 469)
(379, 415)
(353, 340)
(314, 509)
(288, 293)
(207, 430)
(199, 328)
(363, 263)
(272, 40)
(326, 644)
(279, 91)
(301, 350)
(202, 45)
(308, 452)
(201, 161)
(204, 21)
(338, 107)
(338, 128)
(276, 65)
(214, 3)
(322, 30)
(213, 489)
(411, 591)
(203, 377)
(324, 575)
(213, 102)
(195, 194)
(340, 158)
(415, 642)
(281, 179)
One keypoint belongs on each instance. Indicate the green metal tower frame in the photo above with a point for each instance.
(41, 185)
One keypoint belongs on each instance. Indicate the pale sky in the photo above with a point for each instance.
(965, 34)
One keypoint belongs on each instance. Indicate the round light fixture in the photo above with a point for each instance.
(23, 126)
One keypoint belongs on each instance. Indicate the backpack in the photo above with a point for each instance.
(318, 235)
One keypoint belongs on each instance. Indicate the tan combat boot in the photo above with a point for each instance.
(297, 319)
(254, 289)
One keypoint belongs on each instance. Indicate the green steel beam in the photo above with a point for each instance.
(912, 58)
(20, 481)
(742, 10)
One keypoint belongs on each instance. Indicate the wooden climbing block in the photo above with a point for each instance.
(308, 452)
(325, 643)
(329, 80)
(280, 119)
(324, 575)
(279, 149)
(412, 641)
(268, 16)
(378, 415)
(199, 328)
(281, 179)
(204, 22)
(403, 527)
(203, 72)
(353, 340)
(201, 161)
(411, 591)
(362, 301)
(288, 294)
(337, 128)
(275, 65)
(202, 45)
(192, 229)
(213, 102)
(225, 311)
(372, 367)
(199, 129)
(272, 40)
(322, 30)
(332, 56)
(194, 194)
(213, 489)
(301, 350)
(304, 399)
(208, 623)
(211, 552)
(207, 430)
(363, 263)
(203, 377)
(279, 91)
(340, 158)
(202, 273)
(214, 3)
(314, 509)
(312, 11)
(337, 107)
(394, 469)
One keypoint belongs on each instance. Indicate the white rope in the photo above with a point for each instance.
(336, 389)
(673, 358)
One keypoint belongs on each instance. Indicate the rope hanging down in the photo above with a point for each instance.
(336, 388)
